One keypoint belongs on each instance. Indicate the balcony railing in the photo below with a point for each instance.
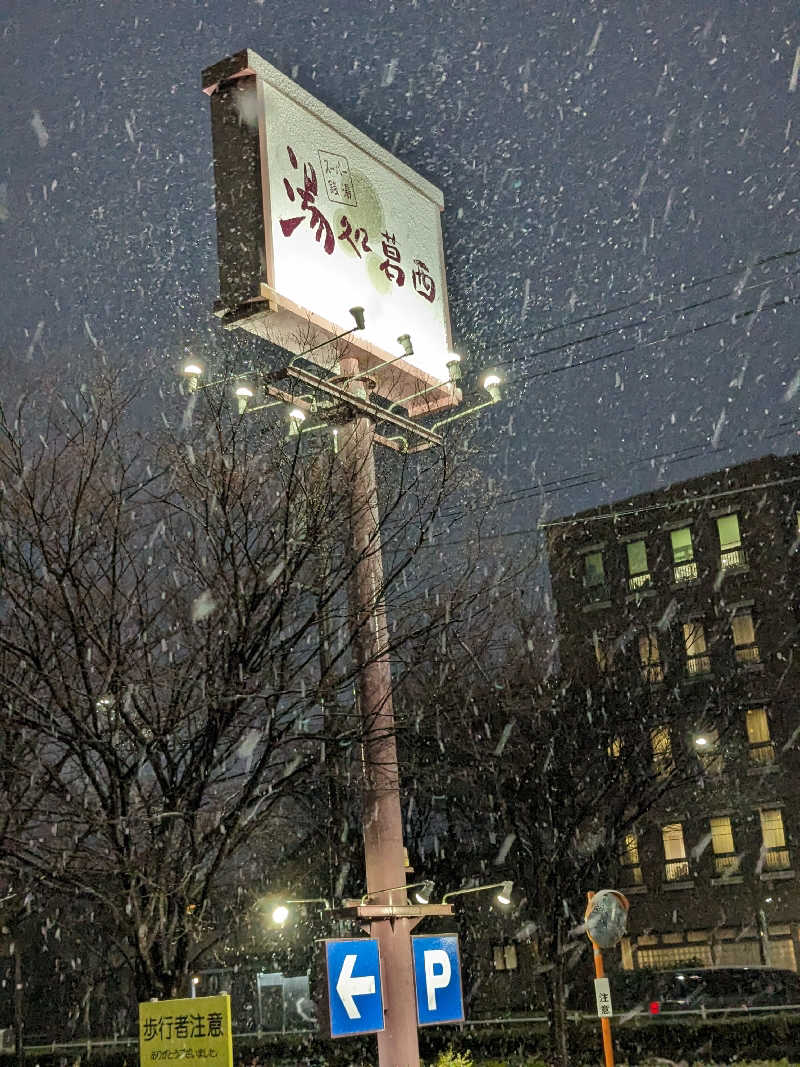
(776, 859)
(697, 665)
(652, 673)
(747, 654)
(639, 581)
(731, 558)
(676, 870)
(762, 753)
(684, 572)
(726, 864)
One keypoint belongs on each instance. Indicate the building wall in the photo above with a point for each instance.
(743, 908)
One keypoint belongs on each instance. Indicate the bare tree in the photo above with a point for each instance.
(175, 651)
(538, 779)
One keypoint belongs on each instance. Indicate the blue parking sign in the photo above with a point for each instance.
(355, 998)
(437, 975)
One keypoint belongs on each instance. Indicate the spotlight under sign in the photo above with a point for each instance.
(314, 218)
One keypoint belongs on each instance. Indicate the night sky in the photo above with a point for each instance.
(621, 224)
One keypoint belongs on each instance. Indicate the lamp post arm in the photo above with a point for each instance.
(474, 889)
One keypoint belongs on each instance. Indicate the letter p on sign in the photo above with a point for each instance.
(437, 973)
(437, 977)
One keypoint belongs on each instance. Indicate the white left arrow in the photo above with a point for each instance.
(348, 987)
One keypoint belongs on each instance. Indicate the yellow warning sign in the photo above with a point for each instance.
(196, 1030)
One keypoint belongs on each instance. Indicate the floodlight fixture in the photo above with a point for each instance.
(503, 897)
(454, 366)
(281, 913)
(425, 892)
(358, 317)
(296, 419)
(491, 383)
(425, 889)
(243, 394)
(405, 342)
(193, 372)
(701, 741)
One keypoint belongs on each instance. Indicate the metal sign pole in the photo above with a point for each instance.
(398, 1044)
(605, 1024)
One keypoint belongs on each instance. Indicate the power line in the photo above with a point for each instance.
(681, 288)
(580, 481)
(640, 322)
(773, 306)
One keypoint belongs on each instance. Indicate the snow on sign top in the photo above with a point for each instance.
(340, 223)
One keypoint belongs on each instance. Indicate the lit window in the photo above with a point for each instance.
(662, 750)
(684, 569)
(638, 570)
(676, 866)
(615, 748)
(629, 859)
(650, 659)
(744, 638)
(694, 639)
(776, 855)
(593, 572)
(725, 859)
(730, 542)
(762, 751)
(504, 957)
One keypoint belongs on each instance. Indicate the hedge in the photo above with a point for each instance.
(709, 1041)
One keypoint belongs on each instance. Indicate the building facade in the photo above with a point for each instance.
(687, 599)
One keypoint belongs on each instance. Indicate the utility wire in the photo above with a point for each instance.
(728, 320)
(600, 334)
(683, 287)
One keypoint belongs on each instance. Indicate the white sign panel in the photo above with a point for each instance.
(602, 994)
(347, 224)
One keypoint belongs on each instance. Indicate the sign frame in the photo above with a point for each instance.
(446, 944)
(252, 294)
(331, 1016)
(182, 1039)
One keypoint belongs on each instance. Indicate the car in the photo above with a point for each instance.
(704, 989)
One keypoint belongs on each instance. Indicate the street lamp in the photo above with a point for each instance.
(193, 372)
(503, 897)
(281, 913)
(422, 896)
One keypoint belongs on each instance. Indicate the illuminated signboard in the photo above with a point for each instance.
(315, 218)
(194, 1030)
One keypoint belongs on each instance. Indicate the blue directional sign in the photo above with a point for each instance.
(437, 974)
(354, 986)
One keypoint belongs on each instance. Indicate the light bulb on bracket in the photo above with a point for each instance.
(296, 419)
(491, 383)
(193, 372)
(243, 395)
(454, 366)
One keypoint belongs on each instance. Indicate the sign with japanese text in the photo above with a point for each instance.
(195, 1030)
(345, 224)
(602, 994)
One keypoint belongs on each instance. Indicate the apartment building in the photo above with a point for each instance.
(687, 600)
